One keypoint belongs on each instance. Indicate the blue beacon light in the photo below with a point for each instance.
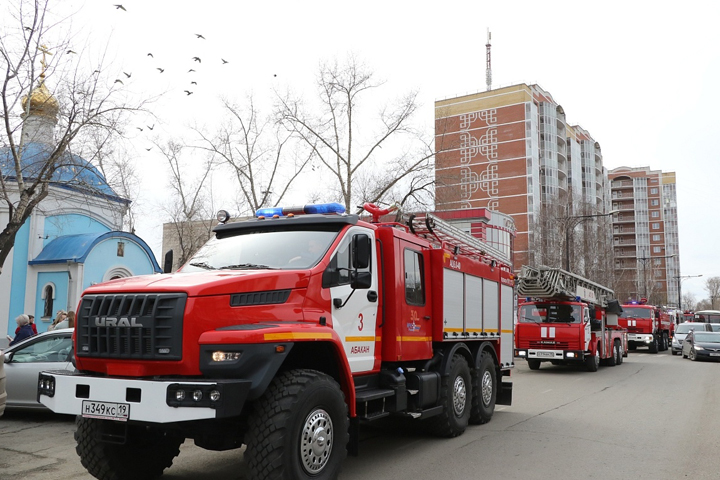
(306, 209)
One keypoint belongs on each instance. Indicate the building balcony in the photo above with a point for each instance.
(624, 231)
(621, 185)
(623, 206)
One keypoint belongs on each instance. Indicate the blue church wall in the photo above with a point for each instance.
(104, 257)
(70, 224)
(19, 275)
(59, 280)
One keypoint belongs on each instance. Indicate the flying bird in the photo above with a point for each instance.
(151, 55)
(70, 51)
(191, 70)
(119, 7)
(117, 80)
(199, 36)
(151, 127)
(161, 69)
(188, 92)
(193, 83)
(148, 149)
(139, 128)
(224, 61)
(29, 29)
(128, 75)
(197, 59)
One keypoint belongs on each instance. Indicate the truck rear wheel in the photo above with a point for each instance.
(620, 352)
(484, 391)
(299, 428)
(455, 393)
(611, 361)
(144, 456)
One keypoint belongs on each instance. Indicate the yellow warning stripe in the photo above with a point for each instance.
(297, 336)
(453, 329)
(362, 339)
(414, 339)
(508, 331)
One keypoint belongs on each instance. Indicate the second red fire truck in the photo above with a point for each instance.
(567, 319)
(285, 333)
(647, 325)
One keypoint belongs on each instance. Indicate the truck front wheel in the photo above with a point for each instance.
(298, 429)
(592, 362)
(484, 385)
(144, 455)
(455, 393)
(533, 364)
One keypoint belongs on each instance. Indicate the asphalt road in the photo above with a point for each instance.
(654, 416)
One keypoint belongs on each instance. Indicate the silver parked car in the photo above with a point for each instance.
(24, 361)
(682, 330)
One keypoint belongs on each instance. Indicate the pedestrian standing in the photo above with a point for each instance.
(24, 329)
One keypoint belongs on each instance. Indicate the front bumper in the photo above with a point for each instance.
(646, 338)
(154, 401)
(549, 355)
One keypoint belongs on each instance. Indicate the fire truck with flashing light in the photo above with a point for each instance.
(285, 333)
(567, 319)
(647, 325)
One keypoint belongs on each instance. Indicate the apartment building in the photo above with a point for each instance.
(512, 150)
(645, 234)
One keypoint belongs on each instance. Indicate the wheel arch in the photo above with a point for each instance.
(448, 352)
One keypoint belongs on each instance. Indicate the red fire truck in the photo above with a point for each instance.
(284, 333)
(567, 319)
(647, 325)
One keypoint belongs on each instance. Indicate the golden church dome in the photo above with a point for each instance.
(42, 102)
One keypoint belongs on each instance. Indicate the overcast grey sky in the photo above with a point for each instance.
(639, 76)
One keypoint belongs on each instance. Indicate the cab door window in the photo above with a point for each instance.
(414, 278)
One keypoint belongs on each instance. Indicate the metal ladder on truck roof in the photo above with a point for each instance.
(546, 282)
(430, 226)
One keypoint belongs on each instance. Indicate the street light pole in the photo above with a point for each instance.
(581, 219)
(644, 260)
(679, 280)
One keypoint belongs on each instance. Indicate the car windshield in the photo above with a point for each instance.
(686, 327)
(551, 313)
(262, 250)
(707, 337)
(636, 312)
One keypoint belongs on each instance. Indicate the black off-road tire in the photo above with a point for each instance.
(621, 354)
(147, 453)
(298, 429)
(455, 393)
(534, 364)
(484, 391)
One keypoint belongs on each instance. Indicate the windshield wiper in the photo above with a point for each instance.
(204, 265)
(247, 266)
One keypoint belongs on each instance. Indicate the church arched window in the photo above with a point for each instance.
(48, 296)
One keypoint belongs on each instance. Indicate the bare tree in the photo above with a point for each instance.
(365, 165)
(689, 301)
(712, 286)
(190, 207)
(257, 152)
(43, 131)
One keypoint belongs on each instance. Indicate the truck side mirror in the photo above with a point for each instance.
(361, 280)
(167, 265)
(361, 251)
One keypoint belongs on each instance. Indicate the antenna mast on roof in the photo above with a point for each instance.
(488, 70)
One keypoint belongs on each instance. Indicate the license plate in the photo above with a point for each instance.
(715, 354)
(106, 410)
(546, 354)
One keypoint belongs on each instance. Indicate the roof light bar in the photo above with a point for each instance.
(299, 210)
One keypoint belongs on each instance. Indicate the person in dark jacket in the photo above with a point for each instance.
(25, 330)
(32, 325)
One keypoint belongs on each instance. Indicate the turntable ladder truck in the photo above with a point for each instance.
(256, 343)
(564, 318)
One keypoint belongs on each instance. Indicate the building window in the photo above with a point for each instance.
(653, 191)
(48, 295)
(656, 226)
(657, 249)
(121, 249)
(655, 214)
(656, 238)
(654, 202)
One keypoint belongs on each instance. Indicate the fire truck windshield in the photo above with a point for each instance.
(290, 250)
(550, 313)
(636, 312)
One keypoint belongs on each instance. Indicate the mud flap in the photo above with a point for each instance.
(504, 394)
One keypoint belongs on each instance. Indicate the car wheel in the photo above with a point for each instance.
(692, 355)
